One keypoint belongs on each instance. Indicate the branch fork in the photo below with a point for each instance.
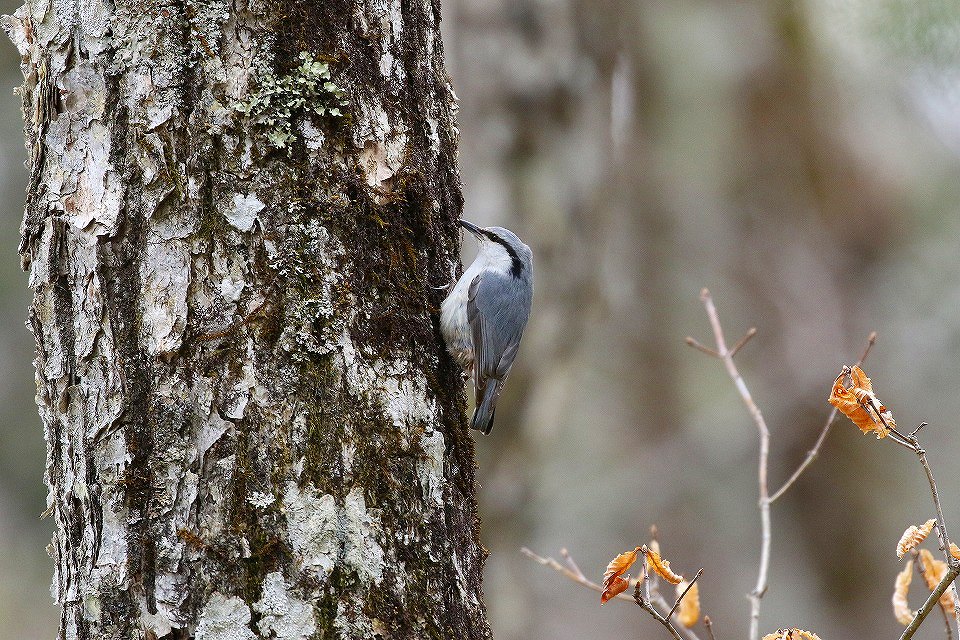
(721, 352)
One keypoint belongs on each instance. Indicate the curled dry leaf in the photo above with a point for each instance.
(613, 582)
(933, 571)
(689, 610)
(859, 403)
(791, 634)
(901, 608)
(913, 536)
(661, 566)
(955, 551)
(617, 585)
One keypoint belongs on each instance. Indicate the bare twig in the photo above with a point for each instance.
(708, 623)
(696, 345)
(680, 599)
(645, 577)
(917, 430)
(923, 574)
(752, 331)
(913, 443)
(644, 601)
(931, 602)
(578, 578)
(726, 356)
(656, 601)
(908, 442)
(898, 438)
(815, 451)
(573, 565)
(942, 535)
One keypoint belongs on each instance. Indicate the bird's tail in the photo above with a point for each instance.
(483, 414)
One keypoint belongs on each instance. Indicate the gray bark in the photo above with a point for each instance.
(235, 214)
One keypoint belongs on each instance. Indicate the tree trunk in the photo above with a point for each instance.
(235, 215)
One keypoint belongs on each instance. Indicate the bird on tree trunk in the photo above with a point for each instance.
(484, 315)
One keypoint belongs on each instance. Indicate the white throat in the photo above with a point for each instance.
(494, 256)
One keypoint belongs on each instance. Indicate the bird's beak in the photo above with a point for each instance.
(472, 228)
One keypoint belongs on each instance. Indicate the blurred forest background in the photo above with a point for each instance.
(800, 158)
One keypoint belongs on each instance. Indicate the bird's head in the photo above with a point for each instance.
(502, 245)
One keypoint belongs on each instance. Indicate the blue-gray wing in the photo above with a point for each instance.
(498, 307)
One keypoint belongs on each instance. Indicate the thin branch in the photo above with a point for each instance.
(727, 357)
(680, 599)
(942, 535)
(696, 345)
(930, 603)
(645, 578)
(944, 538)
(646, 605)
(923, 574)
(815, 451)
(900, 439)
(913, 443)
(752, 331)
(655, 601)
(708, 623)
(657, 598)
(870, 404)
(941, 524)
(573, 565)
(579, 579)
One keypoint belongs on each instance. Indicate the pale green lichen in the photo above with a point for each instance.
(280, 101)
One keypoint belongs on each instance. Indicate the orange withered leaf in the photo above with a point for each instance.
(791, 634)
(955, 551)
(617, 585)
(860, 404)
(689, 610)
(913, 536)
(901, 608)
(933, 571)
(661, 566)
(613, 583)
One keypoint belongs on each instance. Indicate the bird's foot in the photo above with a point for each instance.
(451, 282)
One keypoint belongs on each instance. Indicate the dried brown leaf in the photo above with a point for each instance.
(613, 583)
(955, 551)
(860, 404)
(617, 585)
(791, 634)
(661, 566)
(689, 610)
(913, 536)
(901, 607)
(933, 571)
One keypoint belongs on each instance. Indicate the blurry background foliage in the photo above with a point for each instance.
(800, 158)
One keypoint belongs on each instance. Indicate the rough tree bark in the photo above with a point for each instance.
(235, 214)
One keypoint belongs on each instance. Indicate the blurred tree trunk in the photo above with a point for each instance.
(235, 214)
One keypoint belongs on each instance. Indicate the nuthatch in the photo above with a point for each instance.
(483, 317)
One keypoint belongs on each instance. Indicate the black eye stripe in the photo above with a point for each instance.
(516, 266)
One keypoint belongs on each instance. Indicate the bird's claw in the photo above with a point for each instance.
(453, 279)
